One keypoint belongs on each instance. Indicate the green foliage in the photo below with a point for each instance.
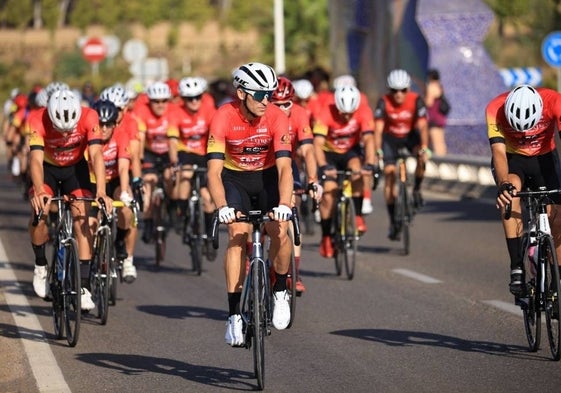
(70, 65)
(15, 13)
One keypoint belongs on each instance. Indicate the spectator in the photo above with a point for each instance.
(437, 119)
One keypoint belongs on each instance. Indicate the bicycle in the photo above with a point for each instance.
(64, 271)
(256, 297)
(404, 211)
(194, 232)
(345, 233)
(541, 268)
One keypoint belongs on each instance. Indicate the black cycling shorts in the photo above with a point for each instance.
(391, 144)
(536, 171)
(73, 179)
(257, 190)
(155, 163)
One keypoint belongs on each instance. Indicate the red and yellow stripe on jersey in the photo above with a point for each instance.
(342, 135)
(63, 149)
(248, 146)
(538, 140)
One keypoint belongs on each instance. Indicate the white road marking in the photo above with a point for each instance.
(43, 363)
(504, 306)
(417, 276)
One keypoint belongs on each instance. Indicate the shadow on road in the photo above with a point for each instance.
(182, 312)
(404, 338)
(225, 378)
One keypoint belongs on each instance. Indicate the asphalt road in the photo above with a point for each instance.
(438, 320)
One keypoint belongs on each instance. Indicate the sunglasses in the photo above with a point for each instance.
(107, 125)
(195, 98)
(398, 90)
(260, 95)
(158, 101)
(284, 105)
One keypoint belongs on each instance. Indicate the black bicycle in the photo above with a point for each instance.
(404, 211)
(256, 299)
(541, 267)
(194, 228)
(64, 271)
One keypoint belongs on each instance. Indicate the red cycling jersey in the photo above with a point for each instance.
(400, 120)
(192, 129)
(299, 127)
(63, 149)
(341, 135)
(129, 126)
(156, 128)
(248, 146)
(115, 148)
(536, 141)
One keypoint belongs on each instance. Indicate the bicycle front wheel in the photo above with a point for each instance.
(530, 304)
(102, 277)
(350, 238)
(259, 322)
(196, 244)
(552, 289)
(71, 293)
(56, 294)
(405, 210)
(291, 281)
(338, 237)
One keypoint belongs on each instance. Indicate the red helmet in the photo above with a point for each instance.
(173, 86)
(20, 100)
(285, 90)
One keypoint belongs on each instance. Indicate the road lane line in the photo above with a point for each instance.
(504, 306)
(417, 276)
(43, 363)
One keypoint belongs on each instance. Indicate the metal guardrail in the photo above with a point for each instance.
(466, 176)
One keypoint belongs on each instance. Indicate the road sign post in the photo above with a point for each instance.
(551, 52)
(94, 51)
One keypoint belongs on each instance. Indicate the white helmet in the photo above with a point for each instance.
(256, 77)
(116, 94)
(203, 82)
(56, 86)
(158, 91)
(399, 79)
(191, 87)
(347, 99)
(523, 107)
(42, 98)
(344, 80)
(303, 88)
(64, 110)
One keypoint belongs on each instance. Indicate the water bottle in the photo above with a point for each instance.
(16, 167)
(60, 262)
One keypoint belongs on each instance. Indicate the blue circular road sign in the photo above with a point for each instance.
(551, 49)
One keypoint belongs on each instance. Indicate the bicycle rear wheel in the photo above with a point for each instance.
(338, 238)
(350, 237)
(259, 322)
(530, 304)
(56, 294)
(552, 290)
(72, 293)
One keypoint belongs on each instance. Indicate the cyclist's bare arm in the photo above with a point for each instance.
(215, 186)
(286, 180)
(124, 166)
(173, 156)
(36, 157)
(96, 155)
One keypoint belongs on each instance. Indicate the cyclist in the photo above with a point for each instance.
(126, 123)
(249, 167)
(302, 149)
(59, 136)
(117, 156)
(521, 127)
(188, 148)
(401, 121)
(338, 132)
(155, 121)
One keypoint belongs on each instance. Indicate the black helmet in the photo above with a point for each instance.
(107, 111)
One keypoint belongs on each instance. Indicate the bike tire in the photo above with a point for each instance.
(350, 239)
(198, 227)
(530, 303)
(196, 246)
(104, 278)
(115, 277)
(72, 293)
(338, 241)
(552, 290)
(56, 294)
(259, 322)
(160, 245)
(406, 214)
(291, 281)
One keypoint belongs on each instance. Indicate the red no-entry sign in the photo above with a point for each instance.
(94, 50)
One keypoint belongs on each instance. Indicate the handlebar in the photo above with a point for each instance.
(256, 217)
(65, 198)
(528, 193)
